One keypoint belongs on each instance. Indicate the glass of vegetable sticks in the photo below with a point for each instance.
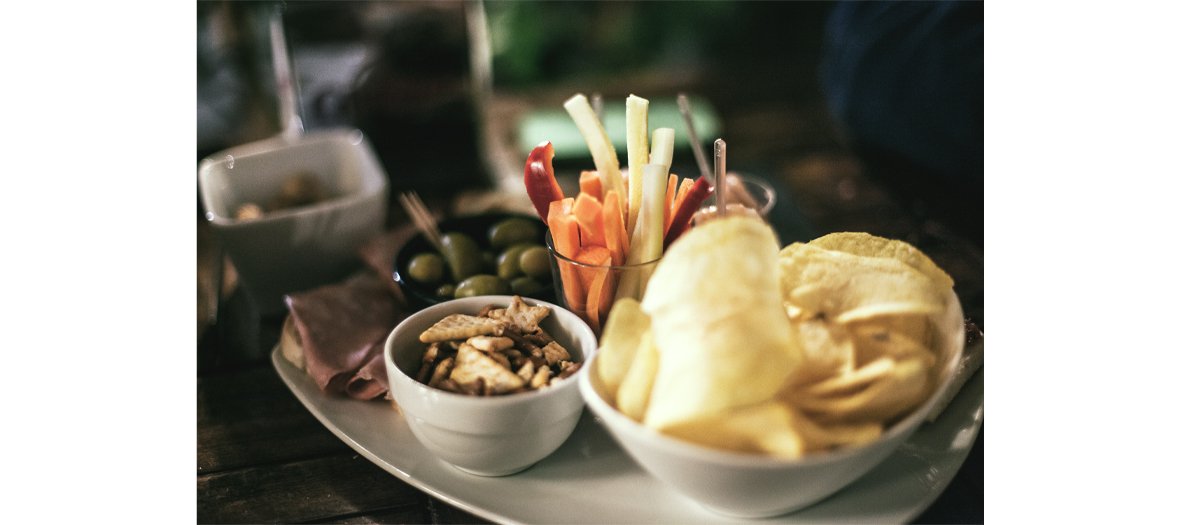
(589, 290)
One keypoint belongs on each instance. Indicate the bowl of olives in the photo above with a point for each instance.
(488, 254)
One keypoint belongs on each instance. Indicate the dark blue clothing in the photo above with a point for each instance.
(906, 81)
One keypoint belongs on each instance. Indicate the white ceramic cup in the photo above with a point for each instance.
(494, 435)
(300, 248)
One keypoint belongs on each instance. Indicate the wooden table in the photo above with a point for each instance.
(263, 458)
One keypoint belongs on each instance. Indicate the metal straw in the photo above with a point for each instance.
(719, 167)
(698, 151)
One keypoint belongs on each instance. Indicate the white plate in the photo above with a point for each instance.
(591, 479)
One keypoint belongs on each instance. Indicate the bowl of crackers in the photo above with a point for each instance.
(489, 383)
(772, 388)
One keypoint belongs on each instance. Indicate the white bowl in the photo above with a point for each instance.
(495, 435)
(753, 486)
(300, 248)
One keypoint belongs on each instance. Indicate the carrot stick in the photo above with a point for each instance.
(563, 206)
(609, 285)
(616, 232)
(589, 182)
(564, 228)
(601, 298)
(669, 200)
(685, 185)
(588, 212)
(595, 300)
(593, 280)
(616, 242)
(594, 256)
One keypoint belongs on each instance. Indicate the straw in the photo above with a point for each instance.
(697, 150)
(422, 218)
(719, 167)
(291, 123)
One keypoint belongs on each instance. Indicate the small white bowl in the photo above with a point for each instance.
(753, 486)
(495, 435)
(297, 249)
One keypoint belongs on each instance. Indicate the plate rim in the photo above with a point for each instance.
(285, 369)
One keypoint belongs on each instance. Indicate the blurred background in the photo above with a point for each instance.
(867, 116)
(401, 72)
(800, 90)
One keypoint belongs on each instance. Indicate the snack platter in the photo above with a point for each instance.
(591, 478)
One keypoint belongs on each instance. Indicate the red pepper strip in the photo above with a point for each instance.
(539, 181)
(700, 191)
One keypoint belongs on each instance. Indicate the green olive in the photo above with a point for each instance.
(462, 254)
(489, 262)
(525, 286)
(446, 290)
(426, 268)
(513, 231)
(482, 284)
(534, 262)
(508, 263)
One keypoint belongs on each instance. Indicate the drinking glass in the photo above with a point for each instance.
(589, 290)
(747, 196)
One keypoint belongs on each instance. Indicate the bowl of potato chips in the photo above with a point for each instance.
(758, 380)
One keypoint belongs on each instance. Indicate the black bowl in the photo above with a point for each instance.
(474, 226)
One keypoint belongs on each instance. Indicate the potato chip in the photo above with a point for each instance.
(868, 245)
(826, 437)
(852, 382)
(901, 389)
(826, 350)
(718, 321)
(620, 341)
(773, 428)
(894, 336)
(635, 390)
(845, 287)
(769, 427)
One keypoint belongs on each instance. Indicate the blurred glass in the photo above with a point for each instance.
(398, 71)
(590, 290)
(747, 196)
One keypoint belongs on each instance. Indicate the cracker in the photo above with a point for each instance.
(459, 326)
(521, 315)
(471, 364)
